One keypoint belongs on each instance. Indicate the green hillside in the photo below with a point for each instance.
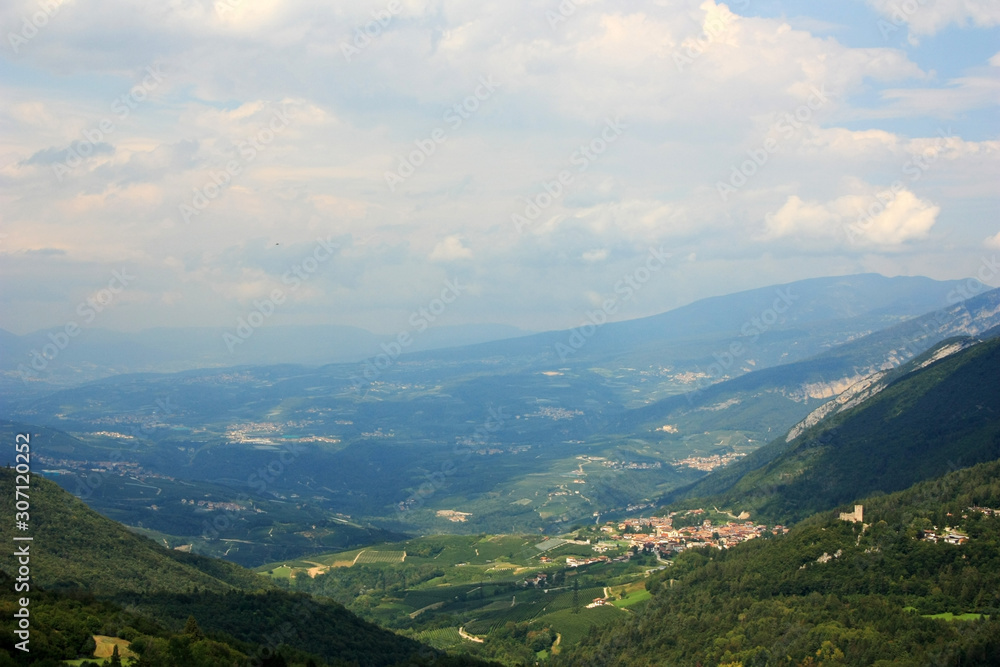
(927, 422)
(832, 592)
(76, 546)
(91, 576)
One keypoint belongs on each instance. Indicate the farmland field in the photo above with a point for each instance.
(368, 557)
(495, 586)
(444, 639)
(573, 627)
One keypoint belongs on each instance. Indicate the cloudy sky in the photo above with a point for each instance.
(188, 160)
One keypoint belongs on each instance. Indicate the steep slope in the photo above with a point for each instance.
(786, 390)
(832, 592)
(75, 545)
(76, 555)
(938, 413)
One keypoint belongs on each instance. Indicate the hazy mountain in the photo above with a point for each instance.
(95, 353)
(937, 413)
(776, 324)
(770, 325)
(780, 396)
(482, 429)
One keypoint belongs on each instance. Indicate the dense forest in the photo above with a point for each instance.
(832, 592)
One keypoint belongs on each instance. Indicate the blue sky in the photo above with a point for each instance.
(229, 153)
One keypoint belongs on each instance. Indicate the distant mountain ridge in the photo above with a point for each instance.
(785, 389)
(97, 353)
(832, 310)
(776, 324)
(937, 413)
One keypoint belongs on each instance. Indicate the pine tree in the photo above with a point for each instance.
(191, 628)
(116, 660)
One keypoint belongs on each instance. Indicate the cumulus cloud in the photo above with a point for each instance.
(885, 219)
(993, 241)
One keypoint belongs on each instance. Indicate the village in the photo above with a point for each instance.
(951, 535)
(709, 463)
(659, 534)
(129, 469)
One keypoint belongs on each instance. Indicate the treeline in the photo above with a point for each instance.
(63, 626)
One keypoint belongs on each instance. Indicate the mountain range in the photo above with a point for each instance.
(788, 405)
(937, 413)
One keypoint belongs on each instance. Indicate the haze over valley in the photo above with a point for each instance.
(398, 333)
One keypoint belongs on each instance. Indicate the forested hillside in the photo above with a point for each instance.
(833, 592)
(91, 576)
(930, 419)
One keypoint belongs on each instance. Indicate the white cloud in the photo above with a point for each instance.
(225, 73)
(883, 219)
(926, 17)
(449, 250)
(993, 241)
(962, 94)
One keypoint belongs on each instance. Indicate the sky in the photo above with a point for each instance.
(190, 162)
